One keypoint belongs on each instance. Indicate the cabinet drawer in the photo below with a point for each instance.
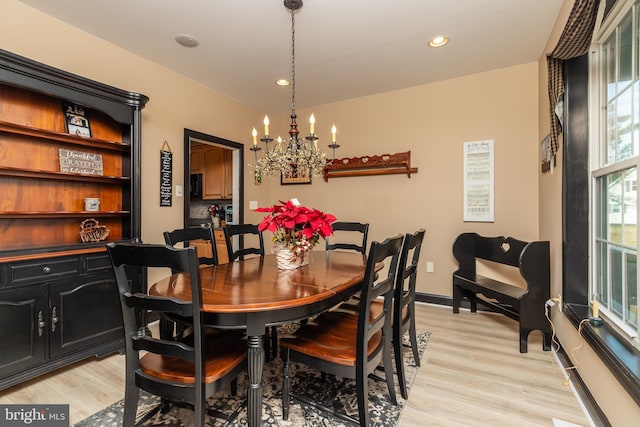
(98, 263)
(37, 271)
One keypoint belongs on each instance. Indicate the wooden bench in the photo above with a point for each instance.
(526, 305)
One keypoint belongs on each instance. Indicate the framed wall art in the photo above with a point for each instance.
(295, 176)
(545, 154)
(478, 181)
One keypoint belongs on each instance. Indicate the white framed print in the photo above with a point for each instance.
(478, 181)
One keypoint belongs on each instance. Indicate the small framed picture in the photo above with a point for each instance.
(545, 154)
(296, 176)
(76, 119)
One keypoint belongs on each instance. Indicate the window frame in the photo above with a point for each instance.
(599, 166)
(622, 359)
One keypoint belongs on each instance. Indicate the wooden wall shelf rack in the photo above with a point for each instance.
(385, 164)
(17, 129)
(65, 176)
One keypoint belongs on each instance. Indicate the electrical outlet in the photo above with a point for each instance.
(429, 266)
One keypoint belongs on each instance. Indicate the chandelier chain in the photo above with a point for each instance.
(293, 60)
(297, 156)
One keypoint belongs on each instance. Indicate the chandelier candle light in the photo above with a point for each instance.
(295, 153)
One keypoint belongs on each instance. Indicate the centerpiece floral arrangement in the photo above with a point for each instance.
(214, 210)
(296, 227)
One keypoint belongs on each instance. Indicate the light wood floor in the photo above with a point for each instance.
(472, 374)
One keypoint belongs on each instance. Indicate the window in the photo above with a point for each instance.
(614, 160)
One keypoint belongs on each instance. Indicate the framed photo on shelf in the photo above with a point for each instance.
(296, 176)
(76, 119)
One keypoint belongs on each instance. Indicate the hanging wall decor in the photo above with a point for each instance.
(385, 164)
(478, 181)
(166, 174)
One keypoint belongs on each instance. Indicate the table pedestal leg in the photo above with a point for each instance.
(255, 362)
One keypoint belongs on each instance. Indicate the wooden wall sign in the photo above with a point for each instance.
(166, 174)
(80, 162)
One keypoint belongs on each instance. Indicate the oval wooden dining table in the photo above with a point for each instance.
(253, 294)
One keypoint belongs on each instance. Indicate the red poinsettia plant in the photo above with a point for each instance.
(295, 226)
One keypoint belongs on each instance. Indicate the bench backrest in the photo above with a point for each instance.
(532, 258)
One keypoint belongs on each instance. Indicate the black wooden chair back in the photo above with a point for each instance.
(187, 368)
(187, 235)
(404, 303)
(356, 227)
(351, 344)
(242, 230)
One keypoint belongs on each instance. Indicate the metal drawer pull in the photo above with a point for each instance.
(54, 320)
(46, 269)
(41, 323)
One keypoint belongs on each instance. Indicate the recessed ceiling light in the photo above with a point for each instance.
(438, 41)
(282, 82)
(187, 40)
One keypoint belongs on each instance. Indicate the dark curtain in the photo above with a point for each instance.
(574, 41)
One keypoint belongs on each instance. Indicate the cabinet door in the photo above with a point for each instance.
(24, 320)
(228, 174)
(221, 246)
(204, 248)
(195, 160)
(214, 173)
(84, 312)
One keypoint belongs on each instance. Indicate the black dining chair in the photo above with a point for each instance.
(189, 367)
(404, 296)
(348, 344)
(188, 235)
(242, 231)
(331, 243)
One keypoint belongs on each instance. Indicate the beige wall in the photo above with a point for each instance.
(432, 121)
(175, 102)
(618, 406)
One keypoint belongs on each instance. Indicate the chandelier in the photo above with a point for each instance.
(296, 154)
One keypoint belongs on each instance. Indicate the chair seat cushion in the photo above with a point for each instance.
(225, 349)
(374, 311)
(331, 337)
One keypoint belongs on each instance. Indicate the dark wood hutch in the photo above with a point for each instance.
(58, 298)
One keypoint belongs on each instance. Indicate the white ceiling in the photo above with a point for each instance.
(344, 48)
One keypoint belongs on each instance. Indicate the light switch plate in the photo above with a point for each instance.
(178, 190)
(253, 204)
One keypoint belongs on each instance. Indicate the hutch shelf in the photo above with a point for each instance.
(58, 298)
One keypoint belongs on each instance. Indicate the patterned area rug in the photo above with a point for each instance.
(304, 381)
